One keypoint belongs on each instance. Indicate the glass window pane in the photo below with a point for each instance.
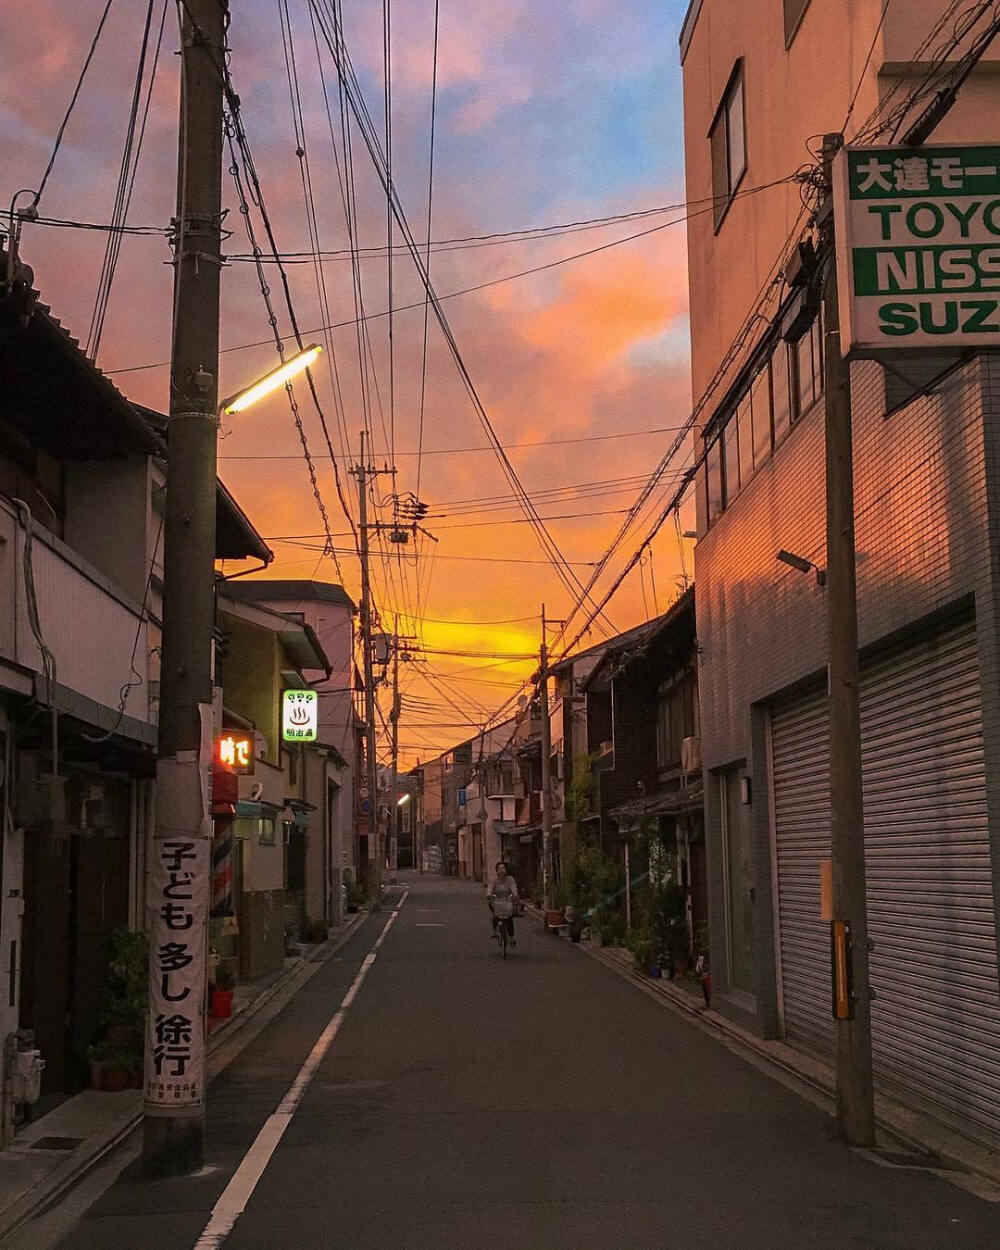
(731, 456)
(780, 405)
(713, 466)
(746, 440)
(817, 337)
(804, 371)
(737, 133)
(760, 403)
(720, 169)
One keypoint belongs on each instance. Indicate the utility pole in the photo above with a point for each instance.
(394, 808)
(543, 694)
(482, 804)
(179, 856)
(363, 473)
(852, 995)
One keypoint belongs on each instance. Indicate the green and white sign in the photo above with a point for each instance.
(918, 247)
(299, 715)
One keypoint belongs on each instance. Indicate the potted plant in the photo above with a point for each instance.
(221, 998)
(116, 1058)
(639, 942)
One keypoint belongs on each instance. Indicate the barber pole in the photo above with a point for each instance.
(222, 875)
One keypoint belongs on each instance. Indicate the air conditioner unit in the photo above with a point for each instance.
(691, 755)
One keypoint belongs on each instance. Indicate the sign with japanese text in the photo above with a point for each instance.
(175, 1049)
(299, 715)
(234, 751)
(918, 248)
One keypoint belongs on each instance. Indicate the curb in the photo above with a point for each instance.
(956, 1153)
(74, 1169)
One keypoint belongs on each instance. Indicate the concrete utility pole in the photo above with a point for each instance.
(543, 694)
(482, 804)
(180, 852)
(394, 808)
(852, 996)
(363, 473)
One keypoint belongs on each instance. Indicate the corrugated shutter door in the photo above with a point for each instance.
(800, 751)
(936, 1015)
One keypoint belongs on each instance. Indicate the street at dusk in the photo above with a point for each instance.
(499, 649)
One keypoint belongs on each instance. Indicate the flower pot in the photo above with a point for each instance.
(221, 1004)
(554, 920)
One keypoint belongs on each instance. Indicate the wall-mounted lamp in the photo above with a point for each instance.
(403, 801)
(803, 565)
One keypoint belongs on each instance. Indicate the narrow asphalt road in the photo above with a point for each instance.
(542, 1102)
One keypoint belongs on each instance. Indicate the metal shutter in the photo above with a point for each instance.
(936, 1015)
(800, 761)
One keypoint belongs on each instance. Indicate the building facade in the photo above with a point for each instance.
(926, 509)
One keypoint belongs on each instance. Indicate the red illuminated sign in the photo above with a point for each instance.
(234, 751)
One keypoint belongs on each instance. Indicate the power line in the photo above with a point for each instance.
(355, 97)
(73, 99)
(481, 286)
(449, 451)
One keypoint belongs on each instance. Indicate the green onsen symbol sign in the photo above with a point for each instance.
(299, 715)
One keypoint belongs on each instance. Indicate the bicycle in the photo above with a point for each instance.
(503, 923)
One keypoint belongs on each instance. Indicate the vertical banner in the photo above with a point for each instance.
(175, 1043)
(179, 884)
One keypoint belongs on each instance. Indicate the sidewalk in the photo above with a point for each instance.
(908, 1128)
(52, 1153)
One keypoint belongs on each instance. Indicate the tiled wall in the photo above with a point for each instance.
(921, 526)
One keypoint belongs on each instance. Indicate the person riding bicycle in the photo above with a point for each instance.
(501, 894)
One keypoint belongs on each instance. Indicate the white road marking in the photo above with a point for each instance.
(238, 1192)
(429, 924)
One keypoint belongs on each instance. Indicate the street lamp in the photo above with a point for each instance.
(271, 381)
(802, 565)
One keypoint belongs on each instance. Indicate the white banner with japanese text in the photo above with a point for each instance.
(179, 885)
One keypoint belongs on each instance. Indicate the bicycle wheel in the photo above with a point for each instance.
(502, 937)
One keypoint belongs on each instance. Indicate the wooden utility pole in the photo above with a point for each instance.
(374, 851)
(180, 852)
(543, 695)
(852, 995)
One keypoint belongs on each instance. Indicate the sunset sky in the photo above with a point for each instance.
(546, 114)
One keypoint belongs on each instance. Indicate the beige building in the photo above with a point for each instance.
(762, 84)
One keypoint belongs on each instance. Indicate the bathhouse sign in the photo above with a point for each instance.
(918, 247)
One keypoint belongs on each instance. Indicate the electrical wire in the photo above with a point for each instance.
(72, 103)
(128, 169)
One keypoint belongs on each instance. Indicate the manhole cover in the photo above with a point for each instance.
(56, 1143)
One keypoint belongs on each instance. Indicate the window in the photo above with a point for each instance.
(729, 147)
(793, 15)
(675, 719)
(745, 439)
(787, 383)
(780, 393)
(760, 402)
(713, 463)
(806, 360)
(731, 460)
